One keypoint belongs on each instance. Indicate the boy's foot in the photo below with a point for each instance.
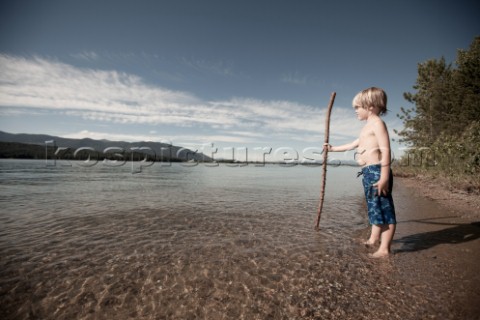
(369, 244)
(379, 254)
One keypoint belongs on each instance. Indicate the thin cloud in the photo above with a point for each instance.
(110, 96)
(300, 79)
(86, 55)
(219, 67)
(294, 78)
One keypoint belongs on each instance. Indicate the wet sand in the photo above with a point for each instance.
(437, 249)
(113, 267)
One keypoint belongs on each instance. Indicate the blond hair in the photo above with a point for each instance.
(371, 97)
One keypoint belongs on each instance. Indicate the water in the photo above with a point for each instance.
(179, 242)
(32, 192)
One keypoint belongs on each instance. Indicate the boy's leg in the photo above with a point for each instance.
(386, 240)
(374, 235)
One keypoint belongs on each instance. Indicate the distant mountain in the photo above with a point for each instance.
(14, 145)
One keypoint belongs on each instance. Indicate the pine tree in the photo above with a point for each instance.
(445, 116)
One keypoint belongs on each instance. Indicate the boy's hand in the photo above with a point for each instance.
(382, 187)
(327, 147)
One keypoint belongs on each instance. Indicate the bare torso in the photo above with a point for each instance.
(368, 151)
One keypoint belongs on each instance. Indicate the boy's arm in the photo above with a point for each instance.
(381, 133)
(345, 147)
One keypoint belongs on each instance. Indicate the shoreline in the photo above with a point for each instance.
(436, 249)
(439, 190)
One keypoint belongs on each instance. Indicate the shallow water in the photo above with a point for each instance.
(186, 242)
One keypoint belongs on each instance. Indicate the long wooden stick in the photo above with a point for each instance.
(325, 159)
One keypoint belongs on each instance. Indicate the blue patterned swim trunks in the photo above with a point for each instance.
(380, 208)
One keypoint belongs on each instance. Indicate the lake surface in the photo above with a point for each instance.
(30, 188)
(177, 241)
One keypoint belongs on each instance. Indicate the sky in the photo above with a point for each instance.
(236, 76)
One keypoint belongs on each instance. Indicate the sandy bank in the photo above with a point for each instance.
(459, 201)
(437, 248)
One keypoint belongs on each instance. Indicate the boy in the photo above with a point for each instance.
(373, 154)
